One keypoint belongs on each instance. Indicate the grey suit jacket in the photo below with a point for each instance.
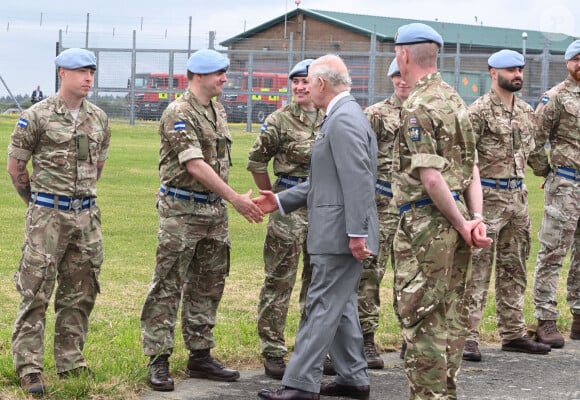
(340, 190)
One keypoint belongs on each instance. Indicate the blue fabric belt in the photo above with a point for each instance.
(512, 183)
(421, 203)
(63, 203)
(568, 173)
(190, 195)
(384, 188)
(289, 181)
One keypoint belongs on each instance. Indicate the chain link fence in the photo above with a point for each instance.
(135, 83)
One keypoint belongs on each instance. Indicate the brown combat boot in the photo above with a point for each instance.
(575, 331)
(547, 333)
(159, 376)
(328, 366)
(471, 351)
(374, 360)
(202, 365)
(275, 367)
(526, 345)
(32, 384)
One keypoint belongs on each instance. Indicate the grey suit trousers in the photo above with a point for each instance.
(330, 325)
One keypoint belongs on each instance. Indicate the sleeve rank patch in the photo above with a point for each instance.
(415, 133)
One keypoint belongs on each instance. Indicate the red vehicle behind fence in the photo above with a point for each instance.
(153, 93)
(269, 92)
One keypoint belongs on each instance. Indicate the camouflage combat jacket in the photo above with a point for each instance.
(504, 138)
(286, 136)
(384, 118)
(48, 133)
(435, 133)
(558, 119)
(187, 132)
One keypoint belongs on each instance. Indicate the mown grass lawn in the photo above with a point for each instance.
(126, 197)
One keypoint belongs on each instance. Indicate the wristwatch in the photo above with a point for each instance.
(476, 215)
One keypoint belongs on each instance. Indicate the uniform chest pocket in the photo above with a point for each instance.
(299, 146)
(57, 148)
(58, 136)
(95, 139)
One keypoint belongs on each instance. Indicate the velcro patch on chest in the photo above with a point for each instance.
(415, 133)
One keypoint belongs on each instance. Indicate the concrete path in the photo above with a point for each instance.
(500, 375)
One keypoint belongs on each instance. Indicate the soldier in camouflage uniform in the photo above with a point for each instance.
(384, 118)
(193, 251)
(435, 185)
(68, 140)
(286, 136)
(504, 130)
(558, 115)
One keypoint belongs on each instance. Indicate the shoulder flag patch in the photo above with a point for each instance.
(179, 126)
(544, 99)
(263, 128)
(22, 122)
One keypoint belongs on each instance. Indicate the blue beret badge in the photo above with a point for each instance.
(545, 99)
(415, 133)
(22, 122)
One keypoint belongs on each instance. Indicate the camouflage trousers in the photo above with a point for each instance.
(63, 247)
(285, 239)
(369, 302)
(432, 269)
(508, 224)
(192, 263)
(559, 232)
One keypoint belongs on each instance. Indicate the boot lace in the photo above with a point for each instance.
(278, 362)
(32, 378)
(161, 369)
(370, 349)
(550, 327)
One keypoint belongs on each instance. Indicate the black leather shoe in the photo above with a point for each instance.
(526, 345)
(202, 365)
(471, 351)
(338, 390)
(286, 393)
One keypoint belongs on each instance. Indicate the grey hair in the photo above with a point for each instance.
(335, 78)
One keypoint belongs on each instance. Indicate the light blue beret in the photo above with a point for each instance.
(207, 61)
(506, 59)
(417, 33)
(572, 50)
(393, 68)
(300, 69)
(76, 58)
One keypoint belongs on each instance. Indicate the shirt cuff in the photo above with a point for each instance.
(280, 208)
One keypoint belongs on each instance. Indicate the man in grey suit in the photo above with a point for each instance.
(343, 231)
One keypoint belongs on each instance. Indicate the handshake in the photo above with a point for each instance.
(254, 209)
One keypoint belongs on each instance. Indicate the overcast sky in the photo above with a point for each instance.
(29, 29)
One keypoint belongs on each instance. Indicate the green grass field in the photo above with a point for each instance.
(126, 197)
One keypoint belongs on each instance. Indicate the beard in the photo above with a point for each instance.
(575, 74)
(513, 86)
